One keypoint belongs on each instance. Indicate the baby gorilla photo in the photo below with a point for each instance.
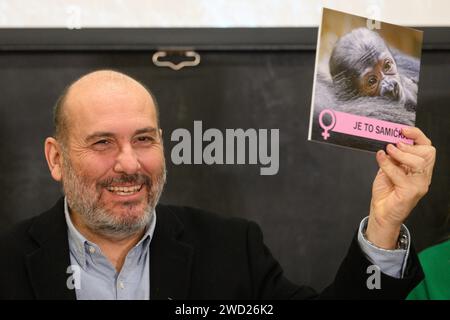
(369, 78)
(361, 64)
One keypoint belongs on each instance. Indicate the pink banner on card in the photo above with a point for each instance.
(362, 127)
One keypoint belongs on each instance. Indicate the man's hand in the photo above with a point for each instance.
(403, 179)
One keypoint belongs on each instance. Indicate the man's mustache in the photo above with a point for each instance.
(126, 178)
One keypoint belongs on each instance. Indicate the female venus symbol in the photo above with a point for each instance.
(325, 128)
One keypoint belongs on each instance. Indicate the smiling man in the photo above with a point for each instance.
(111, 164)
(109, 157)
(109, 239)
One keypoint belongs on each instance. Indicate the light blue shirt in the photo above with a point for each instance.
(390, 262)
(100, 281)
(98, 278)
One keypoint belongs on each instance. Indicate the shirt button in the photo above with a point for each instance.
(121, 285)
(91, 249)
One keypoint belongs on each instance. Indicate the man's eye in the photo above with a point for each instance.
(102, 142)
(145, 139)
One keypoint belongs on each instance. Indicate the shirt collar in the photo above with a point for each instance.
(78, 244)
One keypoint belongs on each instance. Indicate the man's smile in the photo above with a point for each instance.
(125, 190)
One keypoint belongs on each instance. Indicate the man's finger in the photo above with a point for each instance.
(394, 173)
(414, 162)
(417, 135)
(423, 151)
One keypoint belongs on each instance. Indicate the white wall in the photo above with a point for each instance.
(212, 13)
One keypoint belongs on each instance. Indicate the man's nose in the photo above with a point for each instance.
(127, 161)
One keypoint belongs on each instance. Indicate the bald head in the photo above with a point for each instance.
(89, 90)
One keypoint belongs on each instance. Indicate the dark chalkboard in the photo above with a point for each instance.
(260, 78)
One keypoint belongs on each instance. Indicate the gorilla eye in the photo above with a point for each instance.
(372, 80)
(387, 65)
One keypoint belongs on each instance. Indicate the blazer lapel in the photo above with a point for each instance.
(47, 265)
(170, 258)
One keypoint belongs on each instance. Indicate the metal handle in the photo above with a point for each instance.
(176, 66)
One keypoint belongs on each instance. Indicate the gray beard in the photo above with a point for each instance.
(96, 218)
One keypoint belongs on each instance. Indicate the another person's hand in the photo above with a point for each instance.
(403, 179)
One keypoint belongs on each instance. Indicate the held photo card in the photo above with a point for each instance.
(365, 82)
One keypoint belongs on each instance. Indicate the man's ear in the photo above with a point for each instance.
(53, 154)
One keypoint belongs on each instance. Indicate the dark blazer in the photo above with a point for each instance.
(193, 255)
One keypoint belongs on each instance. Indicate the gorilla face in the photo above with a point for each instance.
(380, 78)
(362, 65)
